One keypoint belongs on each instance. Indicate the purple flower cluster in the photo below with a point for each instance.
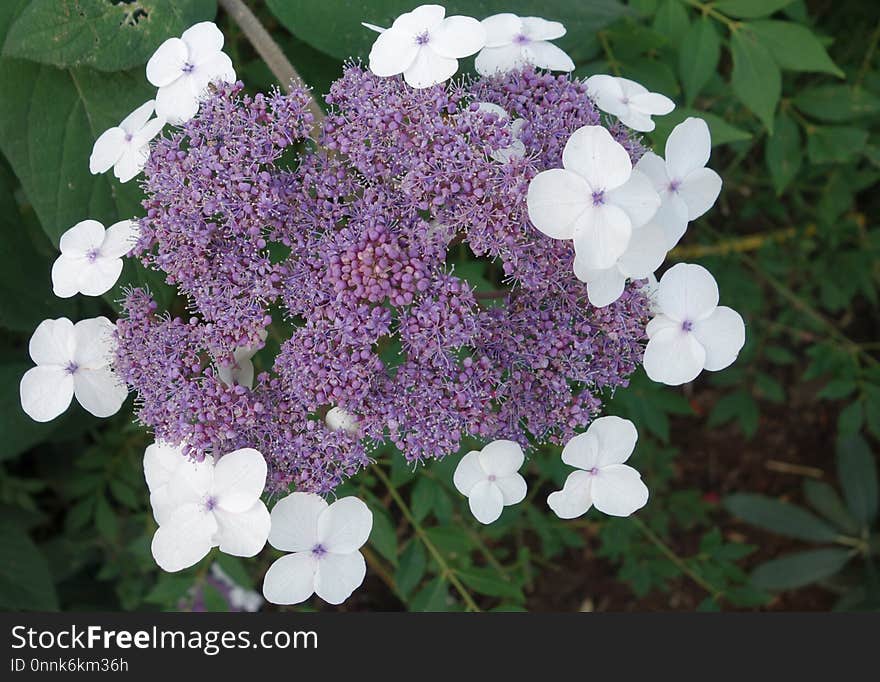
(348, 247)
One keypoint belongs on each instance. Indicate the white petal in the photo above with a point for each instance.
(637, 197)
(120, 238)
(501, 29)
(218, 68)
(673, 357)
(45, 392)
(66, 273)
(160, 462)
(630, 88)
(429, 68)
(537, 28)
(106, 150)
(138, 118)
(131, 162)
(605, 286)
(615, 439)
(501, 458)
(53, 342)
(575, 498)
(489, 108)
(637, 120)
(645, 253)
(618, 490)
(345, 525)
(652, 103)
(98, 277)
(295, 522)
(699, 190)
(516, 150)
(493, 60)
(601, 236)
(723, 335)
(659, 323)
(655, 168)
(422, 18)
(192, 481)
(373, 27)
(290, 579)
(582, 451)
(339, 575)
(688, 147)
(99, 391)
(94, 342)
(163, 503)
(150, 129)
(547, 56)
(513, 488)
(184, 539)
(468, 473)
(166, 64)
(338, 418)
(392, 53)
(688, 292)
(486, 502)
(672, 216)
(597, 157)
(556, 199)
(79, 240)
(458, 37)
(243, 533)
(176, 102)
(607, 92)
(239, 479)
(203, 41)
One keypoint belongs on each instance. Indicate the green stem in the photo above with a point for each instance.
(710, 11)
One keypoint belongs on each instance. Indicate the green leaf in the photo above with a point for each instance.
(756, 79)
(105, 519)
(857, 471)
(779, 517)
(698, 57)
(850, 419)
(235, 568)
(836, 103)
(110, 36)
(837, 389)
(797, 570)
(835, 144)
(422, 497)
(489, 582)
(739, 406)
(49, 119)
(411, 568)
(671, 20)
(169, 589)
(722, 132)
(25, 582)
(750, 9)
(794, 47)
(383, 537)
(432, 597)
(336, 32)
(215, 602)
(784, 153)
(825, 500)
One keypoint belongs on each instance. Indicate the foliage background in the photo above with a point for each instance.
(763, 477)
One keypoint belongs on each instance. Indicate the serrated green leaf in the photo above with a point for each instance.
(837, 103)
(756, 79)
(797, 570)
(835, 144)
(671, 20)
(383, 538)
(750, 9)
(698, 57)
(784, 152)
(794, 47)
(822, 497)
(857, 471)
(489, 582)
(779, 517)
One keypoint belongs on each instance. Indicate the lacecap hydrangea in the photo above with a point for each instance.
(325, 252)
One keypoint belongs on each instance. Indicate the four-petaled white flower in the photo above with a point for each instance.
(691, 332)
(125, 147)
(513, 42)
(603, 480)
(324, 541)
(182, 68)
(688, 189)
(490, 480)
(645, 253)
(242, 370)
(72, 359)
(91, 258)
(206, 505)
(340, 419)
(596, 200)
(424, 46)
(629, 101)
(517, 149)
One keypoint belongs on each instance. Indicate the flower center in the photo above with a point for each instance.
(594, 471)
(599, 197)
(687, 326)
(674, 186)
(318, 551)
(521, 39)
(71, 368)
(492, 477)
(422, 38)
(188, 68)
(210, 503)
(92, 255)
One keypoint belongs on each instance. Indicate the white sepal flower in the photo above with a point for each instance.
(125, 147)
(645, 253)
(490, 480)
(182, 68)
(242, 371)
(517, 149)
(340, 419)
(72, 360)
(324, 541)
(603, 480)
(425, 45)
(161, 461)
(629, 101)
(208, 505)
(688, 189)
(691, 332)
(513, 42)
(91, 257)
(596, 200)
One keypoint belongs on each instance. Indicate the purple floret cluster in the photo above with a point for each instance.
(340, 242)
